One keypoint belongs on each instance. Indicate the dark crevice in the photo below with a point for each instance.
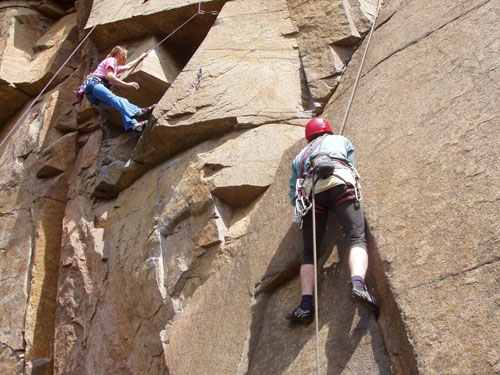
(395, 333)
(306, 96)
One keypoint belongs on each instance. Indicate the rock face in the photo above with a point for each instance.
(32, 50)
(426, 140)
(174, 251)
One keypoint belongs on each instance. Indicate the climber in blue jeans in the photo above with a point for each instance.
(97, 89)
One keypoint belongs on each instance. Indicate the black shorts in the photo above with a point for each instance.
(349, 213)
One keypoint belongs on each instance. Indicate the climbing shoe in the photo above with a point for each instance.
(300, 315)
(144, 112)
(362, 297)
(139, 127)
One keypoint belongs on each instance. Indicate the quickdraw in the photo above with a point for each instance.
(199, 76)
(302, 202)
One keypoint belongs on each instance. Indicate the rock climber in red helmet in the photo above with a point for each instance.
(337, 190)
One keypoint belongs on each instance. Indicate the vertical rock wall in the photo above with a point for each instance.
(173, 251)
(425, 123)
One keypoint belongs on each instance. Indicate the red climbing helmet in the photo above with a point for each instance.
(317, 125)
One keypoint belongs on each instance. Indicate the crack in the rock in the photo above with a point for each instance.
(10, 277)
(413, 42)
(15, 351)
(453, 274)
(409, 44)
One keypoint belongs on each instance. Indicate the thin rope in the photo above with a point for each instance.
(173, 32)
(75, 50)
(52, 79)
(161, 41)
(315, 261)
(316, 305)
(360, 68)
(200, 11)
(46, 86)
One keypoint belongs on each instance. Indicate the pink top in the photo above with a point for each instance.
(104, 65)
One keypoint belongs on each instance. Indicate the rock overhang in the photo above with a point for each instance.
(129, 20)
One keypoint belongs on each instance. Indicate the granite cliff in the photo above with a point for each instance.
(174, 251)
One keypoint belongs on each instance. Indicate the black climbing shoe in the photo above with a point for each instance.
(144, 112)
(300, 315)
(363, 298)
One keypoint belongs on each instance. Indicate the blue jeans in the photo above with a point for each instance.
(106, 99)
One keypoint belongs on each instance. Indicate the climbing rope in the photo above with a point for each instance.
(316, 315)
(18, 122)
(200, 11)
(360, 68)
(53, 78)
(46, 86)
(315, 261)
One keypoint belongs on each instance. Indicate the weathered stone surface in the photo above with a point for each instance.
(21, 28)
(11, 363)
(16, 240)
(422, 132)
(48, 8)
(86, 166)
(114, 162)
(31, 54)
(32, 211)
(57, 157)
(249, 296)
(154, 74)
(327, 34)
(31, 214)
(106, 184)
(40, 314)
(50, 52)
(265, 66)
(91, 124)
(119, 21)
(176, 255)
(64, 116)
(86, 111)
(209, 229)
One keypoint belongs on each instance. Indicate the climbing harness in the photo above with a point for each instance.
(302, 202)
(88, 85)
(18, 122)
(322, 166)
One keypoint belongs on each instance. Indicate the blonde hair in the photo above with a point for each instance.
(116, 51)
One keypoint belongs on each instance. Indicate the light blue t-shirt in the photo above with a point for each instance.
(337, 146)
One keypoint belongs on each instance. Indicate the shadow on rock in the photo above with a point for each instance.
(349, 337)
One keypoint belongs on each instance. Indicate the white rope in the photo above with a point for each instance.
(76, 49)
(360, 68)
(53, 77)
(316, 306)
(46, 86)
